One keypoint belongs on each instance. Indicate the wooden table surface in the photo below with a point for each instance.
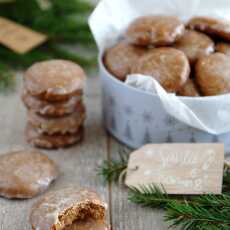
(78, 165)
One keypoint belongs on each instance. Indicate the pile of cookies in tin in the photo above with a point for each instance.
(53, 92)
(191, 59)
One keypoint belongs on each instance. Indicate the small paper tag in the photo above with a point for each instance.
(179, 168)
(19, 38)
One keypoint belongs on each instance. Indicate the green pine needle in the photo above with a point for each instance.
(7, 78)
(111, 170)
(188, 216)
(150, 196)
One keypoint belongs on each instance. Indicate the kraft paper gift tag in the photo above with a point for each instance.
(178, 168)
(19, 38)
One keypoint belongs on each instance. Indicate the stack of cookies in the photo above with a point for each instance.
(53, 93)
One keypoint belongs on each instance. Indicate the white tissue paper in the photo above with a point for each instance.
(110, 20)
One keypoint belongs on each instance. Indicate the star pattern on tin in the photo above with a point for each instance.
(193, 140)
(147, 117)
(128, 110)
(171, 121)
(215, 139)
(112, 101)
(128, 132)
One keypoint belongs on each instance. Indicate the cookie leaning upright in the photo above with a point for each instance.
(69, 208)
(53, 95)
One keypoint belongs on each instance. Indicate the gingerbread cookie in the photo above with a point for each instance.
(216, 27)
(195, 44)
(189, 89)
(90, 224)
(25, 174)
(223, 48)
(52, 141)
(120, 58)
(54, 80)
(55, 109)
(58, 125)
(158, 30)
(169, 66)
(213, 74)
(62, 209)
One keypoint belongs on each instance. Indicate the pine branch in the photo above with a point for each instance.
(112, 169)
(208, 211)
(45, 52)
(59, 52)
(151, 196)
(7, 78)
(226, 180)
(189, 216)
(63, 7)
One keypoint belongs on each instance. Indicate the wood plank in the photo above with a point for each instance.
(128, 216)
(77, 164)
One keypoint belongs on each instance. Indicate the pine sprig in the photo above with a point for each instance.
(7, 78)
(188, 216)
(151, 196)
(204, 212)
(112, 169)
(226, 179)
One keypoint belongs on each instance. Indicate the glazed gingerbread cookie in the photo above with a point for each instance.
(55, 109)
(54, 80)
(58, 125)
(156, 30)
(120, 59)
(89, 224)
(195, 44)
(25, 174)
(223, 48)
(213, 74)
(215, 27)
(169, 66)
(189, 89)
(69, 208)
(41, 140)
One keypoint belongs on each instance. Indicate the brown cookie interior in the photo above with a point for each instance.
(88, 214)
(87, 224)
